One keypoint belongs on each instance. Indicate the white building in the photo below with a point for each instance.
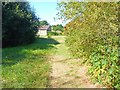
(42, 30)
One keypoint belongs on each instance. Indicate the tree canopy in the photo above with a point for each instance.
(44, 22)
(19, 23)
(57, 27)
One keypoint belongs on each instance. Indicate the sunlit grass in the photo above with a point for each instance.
(27, 66)
(62, 49)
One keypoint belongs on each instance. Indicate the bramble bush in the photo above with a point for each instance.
(92, 34)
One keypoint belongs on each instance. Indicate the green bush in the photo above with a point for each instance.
(53, 33)
(93, 36)
(49, 34)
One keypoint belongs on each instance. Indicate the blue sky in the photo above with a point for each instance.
(46, 10)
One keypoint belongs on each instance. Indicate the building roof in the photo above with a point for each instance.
(44, 27)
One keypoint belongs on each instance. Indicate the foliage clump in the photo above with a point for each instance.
(43, 22)
(57, 29)
(19, 23)
(92, 34)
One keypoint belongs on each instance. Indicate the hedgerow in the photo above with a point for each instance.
(92, 34)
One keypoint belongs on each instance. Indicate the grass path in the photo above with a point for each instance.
(66, 71)
(45, 63)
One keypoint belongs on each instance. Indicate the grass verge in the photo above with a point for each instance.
(27, 66)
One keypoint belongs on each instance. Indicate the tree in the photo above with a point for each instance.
(44, 22)
(19, 23)
(58, 27)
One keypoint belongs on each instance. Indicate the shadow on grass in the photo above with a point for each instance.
(47, 41)
(39, 49)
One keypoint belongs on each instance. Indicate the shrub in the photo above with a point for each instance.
(53, 33)
(49, 34)
(93, 35)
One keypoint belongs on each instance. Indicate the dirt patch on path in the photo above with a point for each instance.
(67, 75)
(66, 72)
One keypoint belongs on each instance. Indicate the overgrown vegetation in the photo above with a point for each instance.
(57, 29)
(53, 33)
(19, 23)
(27, 66)
(92, 34)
